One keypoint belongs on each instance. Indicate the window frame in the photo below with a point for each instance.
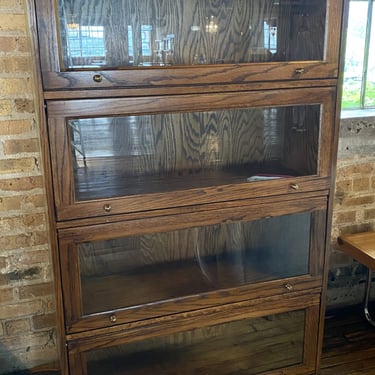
(362, 109)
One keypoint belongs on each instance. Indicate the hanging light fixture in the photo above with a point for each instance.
(73, 25)
(212, 25)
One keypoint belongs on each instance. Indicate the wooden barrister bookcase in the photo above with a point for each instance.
(189, 150)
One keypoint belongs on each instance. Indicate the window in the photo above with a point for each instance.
(270, 36)
(86, 41)
(359, 71)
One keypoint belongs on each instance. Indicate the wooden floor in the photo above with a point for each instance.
(349, 345)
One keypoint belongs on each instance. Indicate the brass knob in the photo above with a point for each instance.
(300, 70)
(107, 207)
(113, 318)
(288, 286)
(97, 78)
(294, 186)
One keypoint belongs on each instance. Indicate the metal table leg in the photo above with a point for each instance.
(367, 297)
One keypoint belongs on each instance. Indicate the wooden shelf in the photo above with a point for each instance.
(170, 281)
(248, 346)
(106, 177)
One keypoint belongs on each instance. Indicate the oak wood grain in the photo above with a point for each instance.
(299, 25)
(235, 71)
(200, 152)
(360, 246)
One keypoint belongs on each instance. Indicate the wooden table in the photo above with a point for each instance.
(361, 247)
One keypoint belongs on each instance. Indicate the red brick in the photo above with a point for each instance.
(12, 23)
(345, 217)
(20, 202)
(14, 87)
(355, 169)
(15, 327)
(34, 220)
(3, 279)
(44, 321)
(6, 107)
(24, 240)
(369, 214)
(20, 309)
(14, 44)
(361, 184)
(16, 241)
(21, 184)
(24, 105)
(15, 127)
(359, 201)
(36, 290)
(16, 146)
(15, 64)
(16, 6)
(40, 238)
(6, 295)
(22, 165)
(23, 222)
(35, 201)
(49, 304)
(10, 203)
(345, 185)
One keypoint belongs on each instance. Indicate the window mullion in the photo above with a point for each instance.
(366, 54)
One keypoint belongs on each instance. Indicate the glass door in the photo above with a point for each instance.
(113, 34)
(246, 346)
(154, 37)
(160, 152)
(146, 268)
(263, 338)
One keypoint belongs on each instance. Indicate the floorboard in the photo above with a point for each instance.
(349, 344)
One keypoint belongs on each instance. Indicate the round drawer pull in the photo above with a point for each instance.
(107, 207)
(113, 318)
(294, 186)
(300, 70)
(97, 78)
(288, 286)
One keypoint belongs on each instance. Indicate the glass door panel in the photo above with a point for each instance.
(248, 346)
(146, 33)
(156, 153)
(138, 270)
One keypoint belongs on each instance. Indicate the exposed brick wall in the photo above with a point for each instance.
(27, 333)
(354, 208)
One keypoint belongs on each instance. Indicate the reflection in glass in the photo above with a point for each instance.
(184, 32)
(131, 155)
(132, 271)
(248, 346)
